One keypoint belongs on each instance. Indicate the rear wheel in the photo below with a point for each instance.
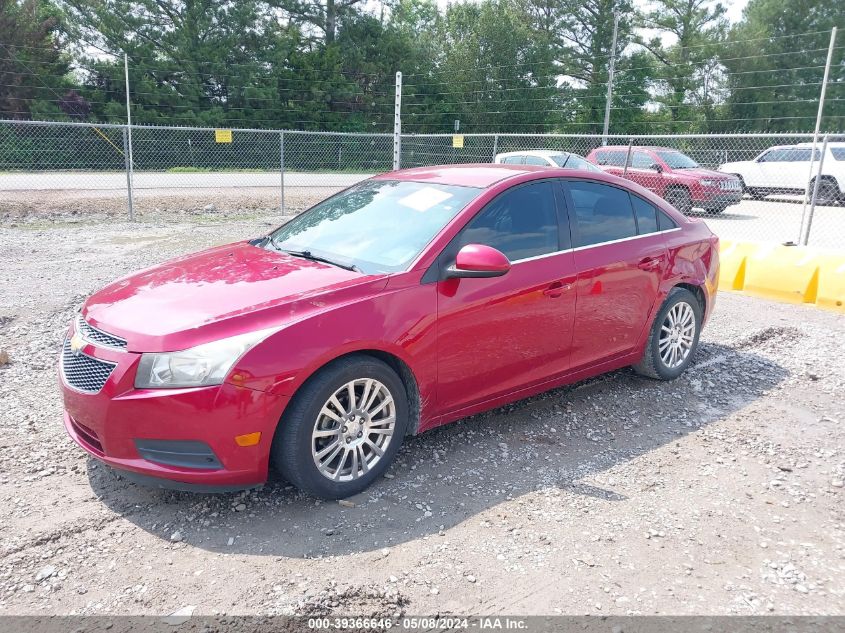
(828, 191)
(758, 194)
(679, 198)
(673, 338)
(716, 210)
(343, 428)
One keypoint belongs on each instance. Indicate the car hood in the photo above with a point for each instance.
(701, 172)
(217, 293)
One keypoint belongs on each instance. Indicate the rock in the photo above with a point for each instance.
(4, 357)
(345, 503)
(231, 541)
(836, 483)
(176, 537)
(470, 578)
(180, 616)
(28, 588)
(240, 507)
(44, 573)
(209, 208)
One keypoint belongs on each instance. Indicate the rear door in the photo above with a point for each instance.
(620, 258)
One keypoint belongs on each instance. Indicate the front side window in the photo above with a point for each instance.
(521, 222)
(774, 156)
(676, 160)
(602, 213)
(536, 160)
(377, 226)
(641, 160)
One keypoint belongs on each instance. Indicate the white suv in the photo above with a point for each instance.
(786, 168)
(546, 158)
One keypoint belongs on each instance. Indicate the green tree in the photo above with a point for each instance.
(686, 69)
(33, 66)
(775, 58)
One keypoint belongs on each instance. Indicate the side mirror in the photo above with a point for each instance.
(656, 167)
(478, 260)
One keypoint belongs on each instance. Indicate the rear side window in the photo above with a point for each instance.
(646, 215)
(522, 223)
(838, 153)
(512, 160)
(664, 222)
(602, 213)
(613, 158)
(536, 160)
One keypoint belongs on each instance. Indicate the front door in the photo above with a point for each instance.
(495, 336)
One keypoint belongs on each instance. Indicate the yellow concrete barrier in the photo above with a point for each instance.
(795, 274)
(831, 294)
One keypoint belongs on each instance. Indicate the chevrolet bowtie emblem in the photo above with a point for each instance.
(76, 344)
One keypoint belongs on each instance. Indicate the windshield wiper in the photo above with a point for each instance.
(318, 258)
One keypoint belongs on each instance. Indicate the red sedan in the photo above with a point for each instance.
(402, 303)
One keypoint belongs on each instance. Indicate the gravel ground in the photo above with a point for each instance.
(719, 493)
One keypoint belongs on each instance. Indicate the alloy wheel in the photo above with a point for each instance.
(353, 429)
(677, 335)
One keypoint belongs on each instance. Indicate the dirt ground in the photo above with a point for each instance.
(719, 493)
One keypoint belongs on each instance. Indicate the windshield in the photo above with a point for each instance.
(377, 225)
(573, 161)
(676, 160)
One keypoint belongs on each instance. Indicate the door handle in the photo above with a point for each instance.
(650, 263)
(556, 289)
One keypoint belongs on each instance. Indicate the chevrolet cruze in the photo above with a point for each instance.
(400, 304)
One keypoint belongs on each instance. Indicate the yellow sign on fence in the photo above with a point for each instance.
(457, 140)
(223, 136)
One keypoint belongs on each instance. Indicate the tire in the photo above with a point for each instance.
(296, 450)
(653, 364)
(679, 198)
(715, 210)
(828, 193)
(758, 194)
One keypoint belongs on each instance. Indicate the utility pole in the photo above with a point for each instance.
(802, 237)
(610, 73)
(397, 124)
(129, 163)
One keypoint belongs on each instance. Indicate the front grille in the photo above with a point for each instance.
(84, 373)
(98, 337)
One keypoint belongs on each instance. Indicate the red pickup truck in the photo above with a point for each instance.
(673, 176)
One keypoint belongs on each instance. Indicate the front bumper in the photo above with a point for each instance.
(112, 424)
(718, 198)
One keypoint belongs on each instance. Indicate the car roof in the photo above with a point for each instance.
(651, 148)
(819, 144)
(484, 175)
(534, 152)
(479, 175)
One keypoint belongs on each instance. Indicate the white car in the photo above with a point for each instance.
(786, 169)
(546, 158)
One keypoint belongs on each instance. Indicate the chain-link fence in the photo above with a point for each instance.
(762, 187)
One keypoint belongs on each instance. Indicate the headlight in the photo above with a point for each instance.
(199, 366)
(708, 183)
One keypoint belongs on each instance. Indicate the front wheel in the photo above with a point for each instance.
(342, 428)
(679, 198)
(673, 338)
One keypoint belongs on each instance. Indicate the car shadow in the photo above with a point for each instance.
(554, 442)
